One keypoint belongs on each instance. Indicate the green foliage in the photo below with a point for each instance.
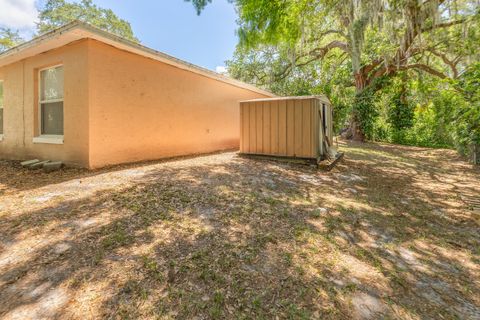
(445, 113)
(429, 128)
(396, 110)
(263, 67)
(57, 13)
(364, 108)
(9, 39)
(467, 114)
(199, 4)
(400, 113)
(364, 112)
(288, 45)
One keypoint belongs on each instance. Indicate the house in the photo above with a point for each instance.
(89, 98)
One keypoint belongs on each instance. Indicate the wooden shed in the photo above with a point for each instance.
(294, 127)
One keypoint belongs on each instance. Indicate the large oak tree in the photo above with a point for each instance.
(56, 13)
(377, 38)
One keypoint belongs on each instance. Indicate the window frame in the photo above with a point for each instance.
(47, 138)
(2, 134)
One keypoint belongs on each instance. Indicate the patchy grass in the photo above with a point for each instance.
(386, 234)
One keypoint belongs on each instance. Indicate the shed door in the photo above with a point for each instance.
(325, 119)
(321, 131)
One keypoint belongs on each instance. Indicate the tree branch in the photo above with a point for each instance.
(420, 66)
(451, 63)
(443, 25)
(326, 33)
(392, 69)
(417, 14)
(369, 67)
(321, 52)
(316, 54)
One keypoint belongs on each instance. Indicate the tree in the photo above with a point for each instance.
(468, 114)
(199, 4)
(376, 38)
(57, 13)
(9, 39)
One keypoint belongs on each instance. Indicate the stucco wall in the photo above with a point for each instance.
(21, 106)
(142, 109)
(119, 107)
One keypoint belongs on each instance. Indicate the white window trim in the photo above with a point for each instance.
(46, 138)
(1, 107)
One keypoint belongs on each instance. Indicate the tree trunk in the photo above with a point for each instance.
(475, 153)
(356, 131)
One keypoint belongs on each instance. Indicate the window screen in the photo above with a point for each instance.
(52, 118)
(51, 101)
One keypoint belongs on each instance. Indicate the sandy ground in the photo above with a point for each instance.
(391, 232)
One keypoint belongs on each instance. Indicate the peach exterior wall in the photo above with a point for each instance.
(20, 107)
(119, 107)
(142, 109)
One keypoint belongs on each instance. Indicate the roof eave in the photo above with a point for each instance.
(88, 31)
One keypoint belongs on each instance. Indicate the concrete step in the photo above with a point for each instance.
(52, 166)
(38, 165)
(28, 163)
(46, 165)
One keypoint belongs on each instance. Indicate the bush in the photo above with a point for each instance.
(467, 113)
(436, 113)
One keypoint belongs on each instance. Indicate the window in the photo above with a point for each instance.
(1, 109)
(51, 101)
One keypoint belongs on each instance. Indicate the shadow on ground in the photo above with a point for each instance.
(385, 234)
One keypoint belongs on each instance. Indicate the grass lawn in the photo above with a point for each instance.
(391, 232)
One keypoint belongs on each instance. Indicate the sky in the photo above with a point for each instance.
(170, 26)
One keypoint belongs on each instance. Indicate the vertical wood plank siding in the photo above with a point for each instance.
(274, 128)
(290, 125)
(283, 127)
(259, 126)
(252, 134)
(266, 128)
(297, 131)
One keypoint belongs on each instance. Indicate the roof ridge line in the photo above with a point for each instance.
(78, 24)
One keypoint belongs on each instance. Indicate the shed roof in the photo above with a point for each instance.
(77, 30)
(322, 98)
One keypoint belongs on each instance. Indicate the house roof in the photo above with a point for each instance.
(77, 30)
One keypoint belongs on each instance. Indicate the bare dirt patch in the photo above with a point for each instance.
(386, 234)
